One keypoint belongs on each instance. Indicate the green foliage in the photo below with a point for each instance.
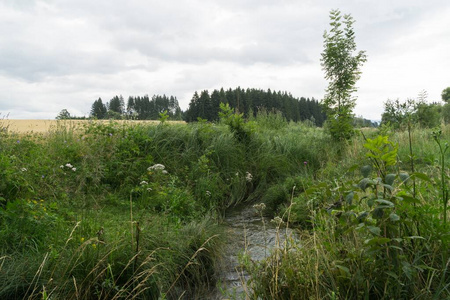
(445, 95)
(444, 176)
(163, 116)
(446, 113)
(342, 69)
(235, 122)
(400, 114)
(368, 238)
(63, 115)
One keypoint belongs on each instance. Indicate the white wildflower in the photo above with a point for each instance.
(248, 177)
(69, 166)
(208, 193)
(61, 166)
(156, 167)
(74, 169)
(143, 182)
(277, 220)
(165, 172)
(24, 169)
(149, 189)
(260, 206)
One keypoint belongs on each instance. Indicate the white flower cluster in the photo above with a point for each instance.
(260, 206)
(248, 177)
(143, 182)
(24, 169)
(157, 167)
(208, 193)
(68, 166)
(277, 220)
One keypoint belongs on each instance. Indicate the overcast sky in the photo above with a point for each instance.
(57, 54)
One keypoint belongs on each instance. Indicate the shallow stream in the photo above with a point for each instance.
(248, 233)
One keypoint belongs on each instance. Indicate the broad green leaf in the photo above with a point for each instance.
(422, 176)
(389, 179)
(366, 170)
(394, 217)
(385, 202)
(345, 270)
(364, 183)
(404, 177)
(374, 229)
(349, 198)
(377, 241)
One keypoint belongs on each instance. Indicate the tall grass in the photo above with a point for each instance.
(84, 214)
(363, 236)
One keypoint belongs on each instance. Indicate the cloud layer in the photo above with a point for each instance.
(66, 54)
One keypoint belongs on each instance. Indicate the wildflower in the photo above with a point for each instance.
(143, 182)
(18, 141)
(110, 134)
(156, 167)
(94, 246)
(43, 176)
(149, 189)
(69, 166)
(260, 206)
(82, 239)
(61, 166)
(305, 163)
(24, 169)
(237, 173)
(74, 169)
(248, 177)
(165, 172)
(277, 220)
(208, 193)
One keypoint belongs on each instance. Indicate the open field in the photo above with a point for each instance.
(40, 126)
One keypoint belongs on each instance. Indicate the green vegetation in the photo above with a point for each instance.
(111, 210)
(370, 228)
(342, 69)
(134, 211)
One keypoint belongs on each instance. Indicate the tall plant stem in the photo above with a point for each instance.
(411, 158)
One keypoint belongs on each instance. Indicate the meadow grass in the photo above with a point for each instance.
(112, 211)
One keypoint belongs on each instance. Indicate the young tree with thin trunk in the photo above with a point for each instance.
(342, 68)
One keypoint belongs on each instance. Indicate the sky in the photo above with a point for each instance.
(65, 54)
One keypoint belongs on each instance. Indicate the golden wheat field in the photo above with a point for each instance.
(42, 126)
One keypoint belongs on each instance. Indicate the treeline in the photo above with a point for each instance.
(250, 101)
(206, 106)
(401, 114)
(137, 108)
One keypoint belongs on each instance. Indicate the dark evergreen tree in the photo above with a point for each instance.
(98, 109)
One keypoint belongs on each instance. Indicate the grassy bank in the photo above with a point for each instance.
(112, 210)
(372, 225)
